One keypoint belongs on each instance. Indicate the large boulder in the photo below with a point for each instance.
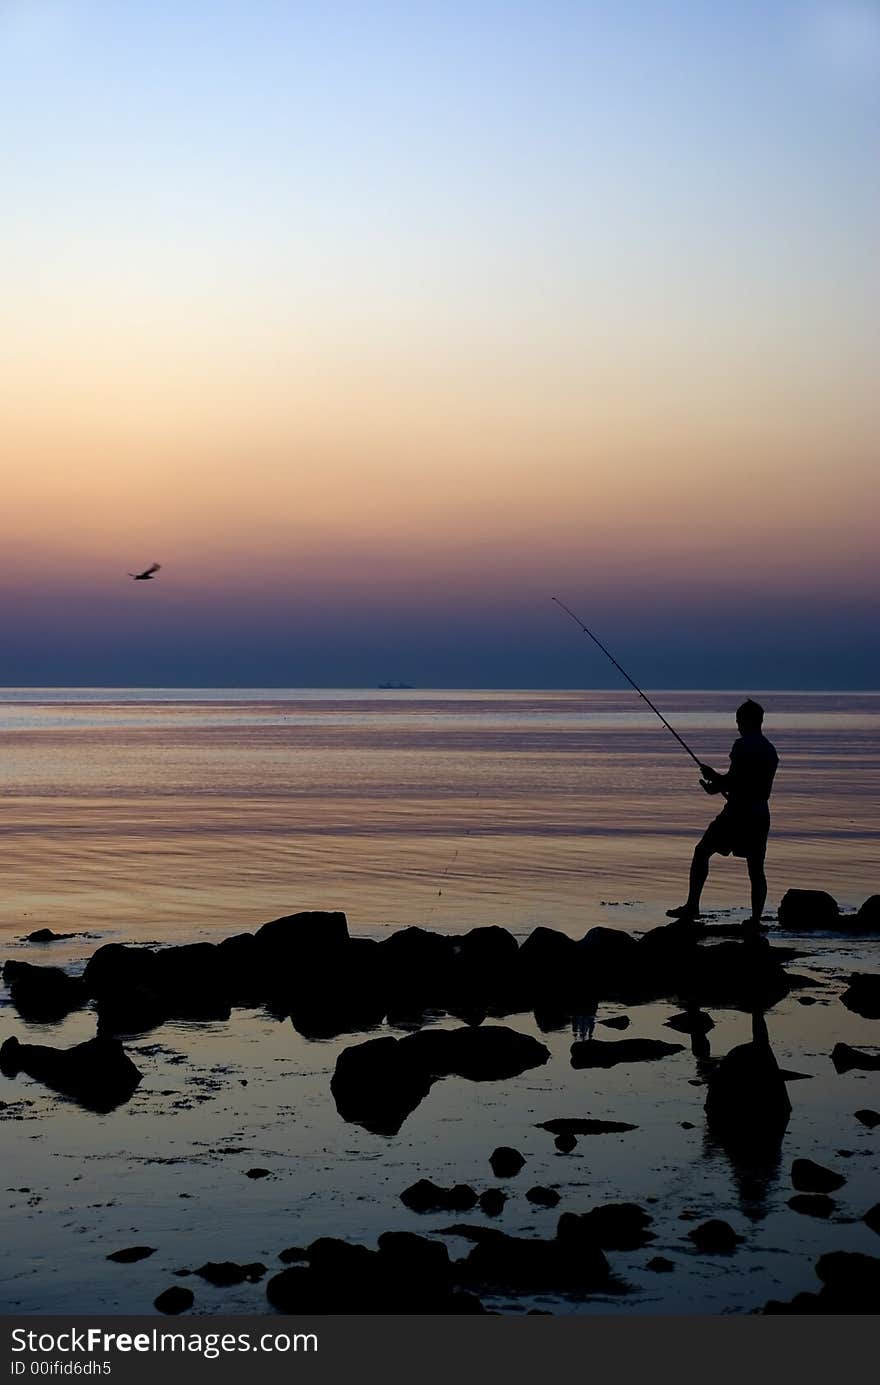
(138, 988)
(340, 993)
(427, 1196)
(99, 1073)
(862, 995)
(499, 1261)
(300, 939)
(118, 967)
(845, 1058)
(606, 1053)
(487, 1054)
(485, 973)
(378, 1083)
(608, 956)
(747, 1104)
(803, 910)
(407, 1274)
(192, 980)
(867, 918)
(43, 994)
(241, 962)
(124, 982)
(612, 1225)
(416, 967)
(810, 1177)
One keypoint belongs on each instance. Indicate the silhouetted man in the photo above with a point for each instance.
(741, 827)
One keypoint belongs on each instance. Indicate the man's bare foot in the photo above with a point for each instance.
(753, 926)
(685, 913)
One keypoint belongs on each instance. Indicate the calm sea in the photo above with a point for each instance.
(152, 813)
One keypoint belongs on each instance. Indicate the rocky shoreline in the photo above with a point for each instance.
(308, 969)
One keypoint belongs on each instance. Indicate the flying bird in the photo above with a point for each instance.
(147, 575)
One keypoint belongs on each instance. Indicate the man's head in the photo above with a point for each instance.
(749, 716)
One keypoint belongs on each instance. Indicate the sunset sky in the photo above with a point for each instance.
(377, 324)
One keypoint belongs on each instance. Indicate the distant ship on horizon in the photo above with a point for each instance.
(398, 686)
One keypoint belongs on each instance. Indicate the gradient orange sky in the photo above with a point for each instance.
(427, 316)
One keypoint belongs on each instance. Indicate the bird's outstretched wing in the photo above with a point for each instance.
(154, 567)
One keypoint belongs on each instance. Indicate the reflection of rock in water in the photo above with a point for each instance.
(747, 1113)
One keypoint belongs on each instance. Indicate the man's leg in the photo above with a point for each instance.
(698, 875)
(758, 882)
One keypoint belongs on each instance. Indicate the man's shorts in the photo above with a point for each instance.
(735, 833)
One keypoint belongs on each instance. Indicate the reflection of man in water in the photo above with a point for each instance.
(741, 827)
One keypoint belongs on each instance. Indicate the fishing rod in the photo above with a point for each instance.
(684, 745)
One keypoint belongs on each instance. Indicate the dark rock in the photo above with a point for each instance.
(485, 972)
(407, 1274)
(862, 995)
(868, 1117)
(851, 1282)
(802, 910)
(506, 1162)
(300, 939)
(131, 1254)
(845, 1057)
(242, 963)
(192, 981)
(867, 918)
(502, 1261)
(292, 1255)
(296, 1291)
(553, 968)
(576, 1125)
(801, 1305)
(613, 1226)
(403, 1256)
(691, 1022)
(98, 1074)
(45, 935)
(872, 1218)
(115, 966)
(378, 1083)
(546, 949)
(174, 1300)
(416, 967)
(748, 975)
(747, 1104)
(616, 1022)
(487, 1054)
(715, 1236)
(812, 1204)
(425, 1196)
(224, 1273)
(565, 1143)
(125, 984)
(543, 1197)
(660, 1265)
(605, 1053)
(257, 1173)
(43, 994)
(604, 944)
(808, 1177)
(346, 991)
(492, 1201)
